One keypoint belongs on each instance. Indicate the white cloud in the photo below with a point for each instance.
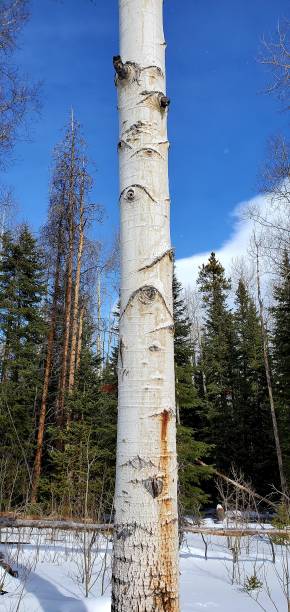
(236, 246)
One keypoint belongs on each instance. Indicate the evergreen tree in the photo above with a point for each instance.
(22, 290)
(281, 356)
(218, 360)
(82, 470)
(253, 434)
(189, 449)
(186, 396)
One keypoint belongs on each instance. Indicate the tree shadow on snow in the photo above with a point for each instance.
(48, 595)
(190, 555)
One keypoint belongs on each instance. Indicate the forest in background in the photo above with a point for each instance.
(59, 347)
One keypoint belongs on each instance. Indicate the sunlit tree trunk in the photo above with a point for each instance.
(72, 363)
(145, 560)
(80, 337)
(47, 373)
(69, 283)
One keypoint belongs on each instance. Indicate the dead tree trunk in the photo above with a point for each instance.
(80, 337)
(238, 485)
(268, 375)
(145, 559)
(72, 364)
(69, 283)
(47, 372)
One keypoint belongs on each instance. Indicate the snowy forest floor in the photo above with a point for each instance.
(51, 572)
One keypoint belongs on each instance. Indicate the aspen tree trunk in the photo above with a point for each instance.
(47, 372)
(268, 376)
(145, 560)
(72, 364)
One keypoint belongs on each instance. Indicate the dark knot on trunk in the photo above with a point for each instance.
(122, 70)
(164, 102)
(154, 486)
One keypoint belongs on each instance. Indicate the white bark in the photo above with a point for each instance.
(145, 565)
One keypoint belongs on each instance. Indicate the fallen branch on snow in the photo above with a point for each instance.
(20, 523)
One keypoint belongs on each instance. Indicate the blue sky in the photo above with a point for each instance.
(219, 121)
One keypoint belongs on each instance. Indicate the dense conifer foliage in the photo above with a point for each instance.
(253, 435)
(22, 329)
(190, 445)
(221, 387)
(218, 358)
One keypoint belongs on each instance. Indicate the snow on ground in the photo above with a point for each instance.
(51, 573)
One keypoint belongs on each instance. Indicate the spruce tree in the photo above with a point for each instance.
(85, 457)
(218, 359)
(189, 446)
(183, 357)
(253, 434)
(22, 291)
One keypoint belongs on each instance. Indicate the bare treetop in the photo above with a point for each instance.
(275, 54)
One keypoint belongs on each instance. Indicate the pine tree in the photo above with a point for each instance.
(70, 213)
(183, 353)
(86, 455)
(218, 359)
(22, 290)
(253, 434)
(281, 356)
(189, 449)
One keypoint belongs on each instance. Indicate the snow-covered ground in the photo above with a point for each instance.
(51, 573)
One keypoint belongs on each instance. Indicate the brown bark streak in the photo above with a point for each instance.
(164, 586)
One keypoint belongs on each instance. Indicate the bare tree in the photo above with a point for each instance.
(268, 369)
(48, 365)
(193, 305)
(80, 249)
(16, 97)
(275, 54)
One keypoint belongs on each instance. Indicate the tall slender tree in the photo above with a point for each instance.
(281, 356)
(22, 330)
(218, 360)
(69, 163)
(48, 362)
(253, 434)
(15, 95)
(75, 312)
(145, 560)
(70, 211)
(276, 432)
(189, 404)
